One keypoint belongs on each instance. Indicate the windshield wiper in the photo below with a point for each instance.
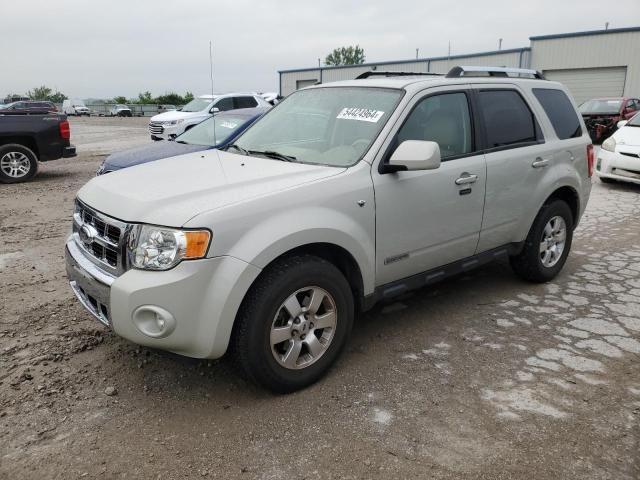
(181, 141)
(237, 147)
(274, 154)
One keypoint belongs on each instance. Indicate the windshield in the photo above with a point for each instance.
(601, 106)
(202, 134)
(329, 126)
(635, 121)
(121, 106)
(196, 105)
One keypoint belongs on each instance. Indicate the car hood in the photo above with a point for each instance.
(176, 115)
(629, 136)
(149, 153)
(173, 190)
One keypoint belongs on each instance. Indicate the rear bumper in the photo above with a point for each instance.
(69, 151)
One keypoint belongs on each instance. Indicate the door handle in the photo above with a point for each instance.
(466, 178)
(540, 162)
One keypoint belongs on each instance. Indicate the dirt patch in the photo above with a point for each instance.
(482, 376)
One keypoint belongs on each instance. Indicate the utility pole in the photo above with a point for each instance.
(449, 51)
(606, 26)
(318, 63)
(499, 44)
(417, 53)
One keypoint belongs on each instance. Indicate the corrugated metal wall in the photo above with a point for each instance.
(511, 59)
(288, 81)
(591, 51)
(556, 52)
(586, 83)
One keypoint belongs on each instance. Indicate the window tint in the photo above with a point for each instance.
(224, 104)
(245, 102)
(561, 113)
(507, 118)
(443, 119)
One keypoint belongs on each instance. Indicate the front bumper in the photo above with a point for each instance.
(165, 132)
(90, 285)
(201, 296)
(619, 166)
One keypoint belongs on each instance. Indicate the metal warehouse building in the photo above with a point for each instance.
(591, 64)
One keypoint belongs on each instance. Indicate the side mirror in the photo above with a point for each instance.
(214, 110)
(621, 123)
(415, 155)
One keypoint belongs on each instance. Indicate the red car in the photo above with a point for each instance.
(601, 115)
(29, 106)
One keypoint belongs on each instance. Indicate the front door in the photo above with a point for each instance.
(426, 219)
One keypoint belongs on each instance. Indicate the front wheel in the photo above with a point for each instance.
(547, 245)
(17, 163)
(293, 323)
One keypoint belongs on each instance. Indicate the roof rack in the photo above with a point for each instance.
(394, 74)
(462, 71)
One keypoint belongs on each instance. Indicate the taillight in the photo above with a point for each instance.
(65, 130)
(591, 158)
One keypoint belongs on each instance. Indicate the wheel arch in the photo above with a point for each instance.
(570, 196)
(24, 141)
(338, 256)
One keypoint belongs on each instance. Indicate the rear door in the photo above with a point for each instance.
(426, 219)
(516, 155)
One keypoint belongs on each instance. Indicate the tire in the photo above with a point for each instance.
(532, 263)
(263, 311)
(14, 156)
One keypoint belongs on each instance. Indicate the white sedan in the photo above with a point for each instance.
(619, 157)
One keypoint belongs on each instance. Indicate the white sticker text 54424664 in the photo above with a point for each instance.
(362, 114)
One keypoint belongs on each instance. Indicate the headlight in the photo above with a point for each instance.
(609, 144)
(174, 122)
(160, 248)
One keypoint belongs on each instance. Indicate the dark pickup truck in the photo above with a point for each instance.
(27, 139)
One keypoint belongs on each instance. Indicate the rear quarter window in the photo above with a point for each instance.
(561, 113)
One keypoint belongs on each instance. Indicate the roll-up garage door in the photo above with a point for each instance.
(586, 83)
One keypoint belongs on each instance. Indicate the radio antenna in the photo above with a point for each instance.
(215, 141)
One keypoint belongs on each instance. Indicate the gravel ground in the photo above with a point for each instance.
(482, 376)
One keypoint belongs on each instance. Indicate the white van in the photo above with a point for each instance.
(75, 107)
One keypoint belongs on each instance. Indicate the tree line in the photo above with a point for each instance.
(44, 93)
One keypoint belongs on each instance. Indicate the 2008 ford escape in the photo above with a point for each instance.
(342, 195)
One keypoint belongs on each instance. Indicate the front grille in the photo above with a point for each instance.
(100, 237)
(156, 128)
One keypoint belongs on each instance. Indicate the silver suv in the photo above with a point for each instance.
(343, 195)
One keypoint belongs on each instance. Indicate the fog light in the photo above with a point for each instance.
(153, 321)
(599, 164)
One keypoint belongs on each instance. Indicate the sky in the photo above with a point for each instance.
(91, 49)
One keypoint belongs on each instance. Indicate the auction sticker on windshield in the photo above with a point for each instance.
(362, 114)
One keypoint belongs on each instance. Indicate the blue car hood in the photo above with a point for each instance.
(149, 153)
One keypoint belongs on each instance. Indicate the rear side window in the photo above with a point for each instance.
(245, 102)
(225, 104)
(507, 119)
(561, 113)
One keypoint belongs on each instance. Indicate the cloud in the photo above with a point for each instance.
(103, 49)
